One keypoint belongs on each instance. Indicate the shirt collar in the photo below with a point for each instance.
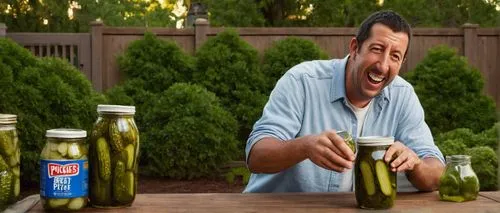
(338, 83)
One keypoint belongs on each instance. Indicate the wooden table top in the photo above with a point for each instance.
(295, 202)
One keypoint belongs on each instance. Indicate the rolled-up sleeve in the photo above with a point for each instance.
(282, 115)
(413, 131)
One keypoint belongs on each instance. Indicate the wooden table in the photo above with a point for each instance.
(296, 202)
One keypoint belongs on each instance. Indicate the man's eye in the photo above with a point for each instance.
(396, 58)
(377, 49)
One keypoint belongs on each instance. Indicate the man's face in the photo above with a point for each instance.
(375, 65)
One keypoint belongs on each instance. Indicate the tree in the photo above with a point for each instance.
(234, 13)
(53, 16)
(341, 13)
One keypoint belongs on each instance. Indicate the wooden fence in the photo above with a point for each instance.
(96, 52)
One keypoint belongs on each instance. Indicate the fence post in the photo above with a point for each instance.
(96, 40)
(3, 30)
(201, 26)
(471, 43)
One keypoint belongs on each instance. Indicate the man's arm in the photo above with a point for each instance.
(327, 150)
(425, 176)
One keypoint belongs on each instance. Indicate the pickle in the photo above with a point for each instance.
(100, 129)
(457, 198)
(130, 156)
(3, 164)
(5, 187)
(103, 159)
(45, 153)
(16, 171)
(62, 148)
(116, 141)
(76, 203)
(6, 145)
(55, 156)
(469, 187)
(56, 203)
(368, 179)
(100, 190)
(123, 190)
(74, 151)
(16, 186)
(15, 158)
(383, 177)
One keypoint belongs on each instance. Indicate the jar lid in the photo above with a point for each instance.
(8, 119)
(116, 109)
(375, 141)
(66, 133)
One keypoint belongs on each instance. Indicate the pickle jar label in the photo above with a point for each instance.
(64, 179)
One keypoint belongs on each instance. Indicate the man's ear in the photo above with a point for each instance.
(353, 47)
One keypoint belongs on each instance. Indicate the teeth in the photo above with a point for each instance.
(375, 77)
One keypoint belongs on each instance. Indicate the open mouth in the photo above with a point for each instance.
(374, 78)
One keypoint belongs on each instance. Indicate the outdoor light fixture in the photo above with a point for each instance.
(196, 10)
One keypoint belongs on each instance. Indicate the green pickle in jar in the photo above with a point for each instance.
(64, 170)
(459, 182)
(113, 152)
(375, 184)
(10, 155)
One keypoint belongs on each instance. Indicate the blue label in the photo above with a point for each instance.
(64, 178)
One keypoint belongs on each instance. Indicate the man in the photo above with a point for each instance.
(294, 146)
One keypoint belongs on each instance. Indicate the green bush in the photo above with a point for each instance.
(451, 92)
(481, 147)
(190, 134)
(485, 164)
(45, 93)
(158, 62)
(229, 67)
(285, 54)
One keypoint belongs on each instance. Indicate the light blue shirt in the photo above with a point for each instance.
(309, 99)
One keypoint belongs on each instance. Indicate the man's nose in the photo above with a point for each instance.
(383, 63)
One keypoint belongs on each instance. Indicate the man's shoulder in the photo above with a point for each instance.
(313, 69)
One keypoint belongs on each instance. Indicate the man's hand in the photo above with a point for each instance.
(329, 151)
(401, 158)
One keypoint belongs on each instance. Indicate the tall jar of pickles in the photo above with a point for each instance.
(375, 184)
(9, 161)
(64, 170)
(114, 147)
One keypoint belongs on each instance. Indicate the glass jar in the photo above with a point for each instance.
(64, 170)
(375, 184)
(10, 158)
(459, 182)
(114, 147)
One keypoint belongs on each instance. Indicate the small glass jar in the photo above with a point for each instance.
(459, 182)
(375, 184)
(10, 158)
(114, 147)
(64, 170)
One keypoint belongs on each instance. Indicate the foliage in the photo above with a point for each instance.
(451, 92)
(29, 16)
(241, 172)
(341, 13)
(158, 62)
(190, 134)
(485, 164)
(229, 67)
(54, 95)
(234, 13)
(479, 146)
(285, 54)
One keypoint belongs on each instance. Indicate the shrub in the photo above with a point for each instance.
(450, 92)
(45, 93)
(190, 134)
(485, 164)
(285, 54)
(158, 62)
(228, 66)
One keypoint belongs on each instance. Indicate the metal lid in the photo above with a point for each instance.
(8, 119)
(66, 133)
(129, 110)
(375, 141)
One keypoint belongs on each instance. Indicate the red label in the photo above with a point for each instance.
(58, 170)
